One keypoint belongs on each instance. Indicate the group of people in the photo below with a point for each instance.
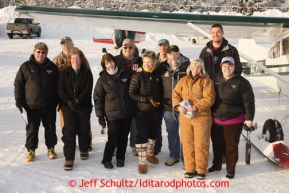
(200, 100)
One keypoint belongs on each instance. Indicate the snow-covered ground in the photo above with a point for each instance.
(46, 175)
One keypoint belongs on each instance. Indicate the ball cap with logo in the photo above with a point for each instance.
(164, 41)
(41, 46)
(66, 39)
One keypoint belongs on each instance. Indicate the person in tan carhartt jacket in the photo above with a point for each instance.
(195, 128)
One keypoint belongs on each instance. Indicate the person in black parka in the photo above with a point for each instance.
(146, 90)
(36, 91)
(113, 103)
(234, 107)
(75, 89)
(129, 60)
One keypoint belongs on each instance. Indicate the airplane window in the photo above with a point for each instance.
(270, 53)
(285, 46)
(276, 50)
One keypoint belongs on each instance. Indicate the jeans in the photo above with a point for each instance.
(172, 126)
(133, 132)
(159, 141)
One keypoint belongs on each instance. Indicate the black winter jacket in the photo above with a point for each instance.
(212, 58)
(170, 79)
(111, 97)
(233, 97)
(79, 88)
(36, 84)
(145, 85)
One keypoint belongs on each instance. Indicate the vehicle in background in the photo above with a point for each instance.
(23, 27)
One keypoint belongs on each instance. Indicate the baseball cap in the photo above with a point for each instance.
(41, 46)
(228, 59)
(66, 39)
(128, 42)
(174, 48)
(164, 41)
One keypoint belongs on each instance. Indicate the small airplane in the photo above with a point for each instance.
(245, 28)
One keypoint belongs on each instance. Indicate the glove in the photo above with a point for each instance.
(102, 131)
(246, 128)
(101, 121)
(154, 103)
(19, 105)
(73, 105)
(189, 114)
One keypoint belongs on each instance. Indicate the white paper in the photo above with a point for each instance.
(24, 116)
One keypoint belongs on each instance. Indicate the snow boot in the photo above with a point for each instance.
(30, 156)
(68, 165)
(51, 153)
(84, 155)
(150, 152)
(142, 156)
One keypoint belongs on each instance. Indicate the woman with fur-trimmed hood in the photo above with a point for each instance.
(195, 118)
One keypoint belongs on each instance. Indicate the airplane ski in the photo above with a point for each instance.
(277, 152)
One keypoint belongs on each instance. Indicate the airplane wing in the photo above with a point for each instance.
(164, 23)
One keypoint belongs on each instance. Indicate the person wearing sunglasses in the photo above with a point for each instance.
(129, 60)
(35, 90)
(75, 90)
(61, 61)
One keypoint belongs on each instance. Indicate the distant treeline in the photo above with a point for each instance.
(239, 6)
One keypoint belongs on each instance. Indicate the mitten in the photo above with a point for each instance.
(73, 105)
(101, 121)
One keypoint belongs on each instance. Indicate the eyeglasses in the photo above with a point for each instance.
(127, 48)
(38, 52)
